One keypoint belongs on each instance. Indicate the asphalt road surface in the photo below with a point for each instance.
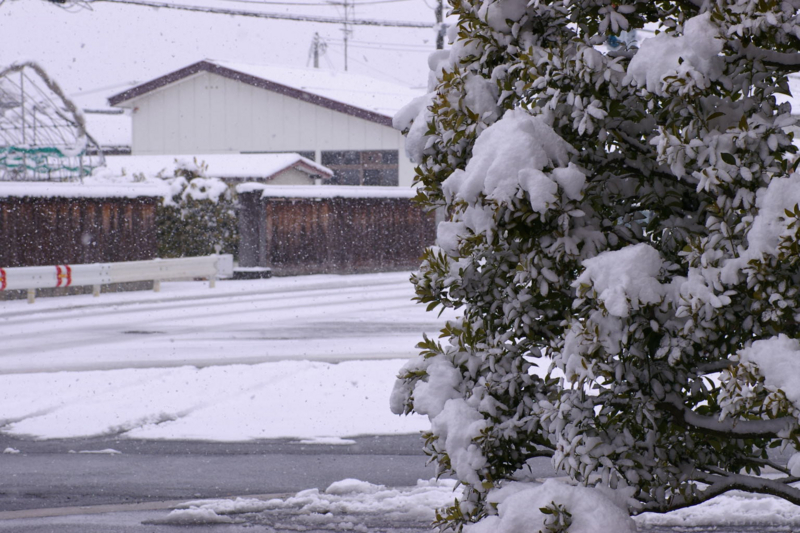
(52, 487)
(54, 473)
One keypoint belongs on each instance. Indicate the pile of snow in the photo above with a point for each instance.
(351, 502)
(734, 509)
(344, 503)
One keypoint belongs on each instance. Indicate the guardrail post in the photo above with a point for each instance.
(31, 295)
(95, 290)
(212, 282)
(157, 285)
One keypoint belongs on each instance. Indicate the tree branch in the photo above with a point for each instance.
(712, 425)
(716, 366)
(771, 57)
(722, 483)
(756, 485)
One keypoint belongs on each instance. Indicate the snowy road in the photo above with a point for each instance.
(54, 474)
(304, 357)
(315, 318)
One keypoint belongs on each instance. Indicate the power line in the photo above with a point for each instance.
(386, 48)
(279, 16)
(373, 43)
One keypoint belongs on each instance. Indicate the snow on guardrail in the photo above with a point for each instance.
(97, 274)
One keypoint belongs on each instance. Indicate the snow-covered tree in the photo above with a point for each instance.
(622, 243)
(198, 216)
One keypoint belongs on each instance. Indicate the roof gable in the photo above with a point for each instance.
(322, 95)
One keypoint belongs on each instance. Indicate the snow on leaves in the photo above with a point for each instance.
(622, 242)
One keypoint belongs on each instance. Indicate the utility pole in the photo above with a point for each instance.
(346, 30)
(318, 47)
(440, 28)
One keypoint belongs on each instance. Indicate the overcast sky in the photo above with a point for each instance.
(100, 50)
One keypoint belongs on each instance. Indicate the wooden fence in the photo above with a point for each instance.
(47, 231)
(334, 233)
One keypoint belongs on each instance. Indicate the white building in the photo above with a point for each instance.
(337, 119)
(273, 169)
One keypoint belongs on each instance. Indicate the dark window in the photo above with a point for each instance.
(381, 177)
(347, 157)
(346, 177)
(368, 167)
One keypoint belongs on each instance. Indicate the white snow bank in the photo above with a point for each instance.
(185, 517)
(593, 511)
(342, 498)
(729, 510)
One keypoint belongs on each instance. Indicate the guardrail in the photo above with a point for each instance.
(97, 274)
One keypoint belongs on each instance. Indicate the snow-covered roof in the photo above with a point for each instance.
(245, 166)
(326, 191)
(353, 94)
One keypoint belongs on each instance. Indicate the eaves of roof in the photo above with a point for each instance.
(207, 66)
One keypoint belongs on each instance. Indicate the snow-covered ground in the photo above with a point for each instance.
(308, 357)
(311, 358)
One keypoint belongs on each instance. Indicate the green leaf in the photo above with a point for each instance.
(728, 158)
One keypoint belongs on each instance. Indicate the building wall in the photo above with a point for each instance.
(208, 113)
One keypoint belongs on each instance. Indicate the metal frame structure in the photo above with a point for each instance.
(43, 135)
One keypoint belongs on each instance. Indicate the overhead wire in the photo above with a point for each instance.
(278, 16)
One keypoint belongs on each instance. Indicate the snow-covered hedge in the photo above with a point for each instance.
(623, 243)
(198, 216)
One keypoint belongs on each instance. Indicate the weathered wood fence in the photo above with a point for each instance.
(341, 230)
(50, 224)
(47, 231)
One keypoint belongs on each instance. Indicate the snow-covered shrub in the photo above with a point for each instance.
(622, 241)
(198, 216)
